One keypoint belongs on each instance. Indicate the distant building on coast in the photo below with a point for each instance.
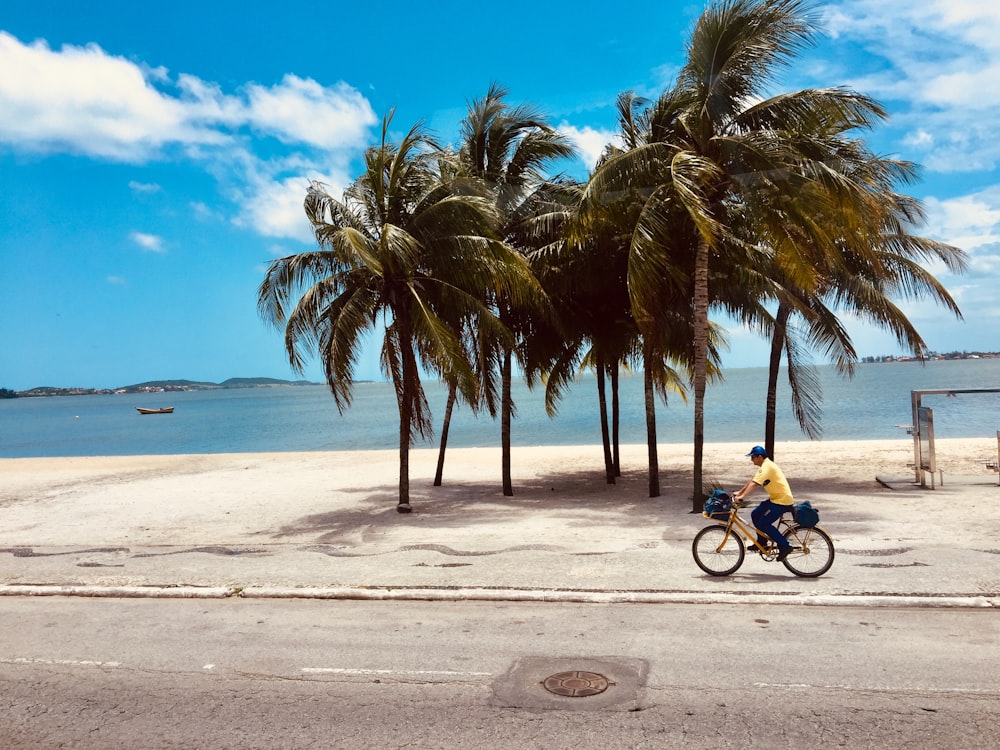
(931, 357)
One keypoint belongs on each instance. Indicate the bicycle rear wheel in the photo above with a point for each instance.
(812, 551)
(716, 552)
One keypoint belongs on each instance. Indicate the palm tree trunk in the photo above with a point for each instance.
(452, 397)
(609, 469)
(506, 408)
(405, 426)
(700, 336)
(654, 463)
(774, 366)
(405, 414)
(615, 421)
(406, 393)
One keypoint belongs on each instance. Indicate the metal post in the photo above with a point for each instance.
(915, 404)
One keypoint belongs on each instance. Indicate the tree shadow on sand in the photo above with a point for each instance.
(579, 499)
(570, 500)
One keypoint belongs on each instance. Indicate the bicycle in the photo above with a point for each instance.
(720, 549)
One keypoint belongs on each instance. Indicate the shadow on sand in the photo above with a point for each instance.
(574, 500)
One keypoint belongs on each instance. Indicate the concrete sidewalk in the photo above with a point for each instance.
(125, 533)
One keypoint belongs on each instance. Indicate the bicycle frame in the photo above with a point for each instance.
(747, 531)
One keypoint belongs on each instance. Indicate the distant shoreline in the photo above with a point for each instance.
(161, 386)
(157, 386)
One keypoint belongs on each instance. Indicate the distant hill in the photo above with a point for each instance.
(171, 384)
(196, 385)
(255, 382)
(160, 385)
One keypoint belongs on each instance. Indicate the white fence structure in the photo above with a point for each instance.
(924, 456)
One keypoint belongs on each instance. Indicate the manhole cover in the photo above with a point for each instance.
(576, 684)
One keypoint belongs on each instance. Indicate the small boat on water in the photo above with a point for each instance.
(165, 410)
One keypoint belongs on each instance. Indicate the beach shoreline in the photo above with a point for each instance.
(854, 459)
(177, 499)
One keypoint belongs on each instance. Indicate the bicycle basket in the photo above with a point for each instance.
(718, 505)
(805, 514)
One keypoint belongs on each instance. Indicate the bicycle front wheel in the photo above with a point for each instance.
(812, 551)
(717, 552)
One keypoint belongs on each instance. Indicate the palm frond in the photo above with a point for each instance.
(807, 390)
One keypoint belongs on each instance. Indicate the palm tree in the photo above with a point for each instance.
(721, 161)
(588, 291)
(479, 338)
(585, 270)
(407, 248)
(507, 148)
(872, 258)
(590, 273)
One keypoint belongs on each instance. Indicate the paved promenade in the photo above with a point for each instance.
(299, 525)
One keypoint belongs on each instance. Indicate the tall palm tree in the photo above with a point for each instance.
(406, 248)
(593, 263)
(507, 148)
(583, 273)
(585, 280)
(872, 258)
(716, 146)
(585, 270)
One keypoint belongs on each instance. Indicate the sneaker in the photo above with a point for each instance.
(783, 554)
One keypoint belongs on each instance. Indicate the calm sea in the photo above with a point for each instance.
(305, 418)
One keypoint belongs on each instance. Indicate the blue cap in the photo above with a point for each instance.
(757, 451)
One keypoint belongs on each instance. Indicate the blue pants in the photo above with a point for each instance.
(764, 517)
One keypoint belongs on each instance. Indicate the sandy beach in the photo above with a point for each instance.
(209, 498)
(328, 520)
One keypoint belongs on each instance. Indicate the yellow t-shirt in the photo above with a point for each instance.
(772, 479)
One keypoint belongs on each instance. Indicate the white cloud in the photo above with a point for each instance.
(117, 280)
(967, 221)
(588, 142)
(148, 242)
(275, 209)
(971, 222)
(909, 24)
(84, 101)
(203, 212)
(301, 110)
(143, 187)
(919, 139)
(935, 63)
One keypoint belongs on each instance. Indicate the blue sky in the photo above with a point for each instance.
(154, 157)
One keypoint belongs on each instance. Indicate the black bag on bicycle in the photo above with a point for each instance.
(805, 514)
(718, 505)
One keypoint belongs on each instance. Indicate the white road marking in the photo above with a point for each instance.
(399, 672)
(62, 662)
(876, 688)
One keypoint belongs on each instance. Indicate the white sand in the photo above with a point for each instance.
(225, 497)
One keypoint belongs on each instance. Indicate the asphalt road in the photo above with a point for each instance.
(146, 674)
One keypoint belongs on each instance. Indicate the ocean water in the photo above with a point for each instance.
(871, 406)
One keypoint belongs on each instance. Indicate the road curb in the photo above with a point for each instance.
(623, 597)
(122, 592)
(455, 594)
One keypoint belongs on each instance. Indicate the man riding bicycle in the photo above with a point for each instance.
(765, 515)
